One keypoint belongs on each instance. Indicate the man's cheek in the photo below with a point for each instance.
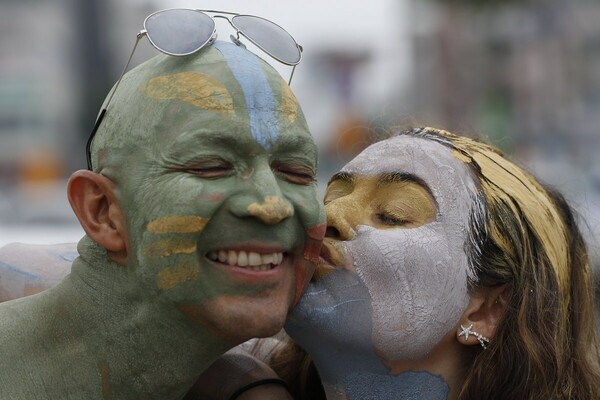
(168, 250)
(304, 271)
(314, 239)
(312, 249)
(308, 207)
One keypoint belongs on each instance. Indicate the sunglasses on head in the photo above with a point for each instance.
(182, 31)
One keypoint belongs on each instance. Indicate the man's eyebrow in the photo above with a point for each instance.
(398, 177)
(342, 176)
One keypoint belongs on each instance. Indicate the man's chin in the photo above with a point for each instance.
(247, 329)
(245, 318)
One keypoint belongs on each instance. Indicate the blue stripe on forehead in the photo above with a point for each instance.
(260, 101)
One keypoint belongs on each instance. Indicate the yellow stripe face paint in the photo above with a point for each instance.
(169, 247)
(178, 224)
(171, 277)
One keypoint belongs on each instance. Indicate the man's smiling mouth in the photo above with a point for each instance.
(247, 259)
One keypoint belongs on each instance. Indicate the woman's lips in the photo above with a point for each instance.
(332, 256)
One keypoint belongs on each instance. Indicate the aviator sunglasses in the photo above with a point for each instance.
(182, 31)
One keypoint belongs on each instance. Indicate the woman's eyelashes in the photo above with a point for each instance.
(390, 220)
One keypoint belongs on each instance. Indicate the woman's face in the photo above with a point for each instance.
(398, 220)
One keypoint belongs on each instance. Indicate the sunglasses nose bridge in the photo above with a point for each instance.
(236, 40)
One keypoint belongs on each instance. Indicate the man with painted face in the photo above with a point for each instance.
(202, 225)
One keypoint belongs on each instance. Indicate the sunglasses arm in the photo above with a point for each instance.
(291, 75)
(140, 35)
(294, 67)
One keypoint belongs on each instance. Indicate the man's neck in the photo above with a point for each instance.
(147, 349)
(112, 341)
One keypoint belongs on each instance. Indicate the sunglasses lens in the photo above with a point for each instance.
(178, 31)
(270, 37)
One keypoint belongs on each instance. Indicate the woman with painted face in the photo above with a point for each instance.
(448, 273)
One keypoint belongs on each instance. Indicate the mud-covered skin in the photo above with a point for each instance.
(398, 218)
(205, 153)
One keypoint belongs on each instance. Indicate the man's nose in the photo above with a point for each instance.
(263, 198)
(272, 209)
(343, 215)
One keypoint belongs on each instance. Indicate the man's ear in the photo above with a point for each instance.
(92, 197)
(486, 308)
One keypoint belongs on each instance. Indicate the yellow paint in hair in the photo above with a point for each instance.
(503, 182)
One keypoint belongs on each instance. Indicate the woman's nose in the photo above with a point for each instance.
(342, 219)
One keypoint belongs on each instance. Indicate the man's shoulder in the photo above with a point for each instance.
(27, 269)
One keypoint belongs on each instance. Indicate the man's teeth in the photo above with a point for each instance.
(247, 259)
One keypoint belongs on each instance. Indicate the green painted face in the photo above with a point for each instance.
(215, 171)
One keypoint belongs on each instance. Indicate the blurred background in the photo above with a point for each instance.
(523, 74)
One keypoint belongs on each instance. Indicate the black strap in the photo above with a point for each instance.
(275, 381)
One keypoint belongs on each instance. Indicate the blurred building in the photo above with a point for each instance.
(524, 75)
(58, 59)
(524, 72)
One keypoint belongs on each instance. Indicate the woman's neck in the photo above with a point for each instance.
(348, 374)
(332, 323)
(352, 370)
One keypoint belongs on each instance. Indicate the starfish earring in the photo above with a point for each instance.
(466, 331)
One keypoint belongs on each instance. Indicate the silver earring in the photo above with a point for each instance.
(467, 331)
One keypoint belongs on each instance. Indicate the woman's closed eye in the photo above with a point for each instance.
(391, 220)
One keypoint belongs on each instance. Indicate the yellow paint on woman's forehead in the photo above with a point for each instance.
(171, 277)
(177, 224)
(194, 88)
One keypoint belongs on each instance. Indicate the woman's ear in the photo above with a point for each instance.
(486, 308)
(92, 197)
